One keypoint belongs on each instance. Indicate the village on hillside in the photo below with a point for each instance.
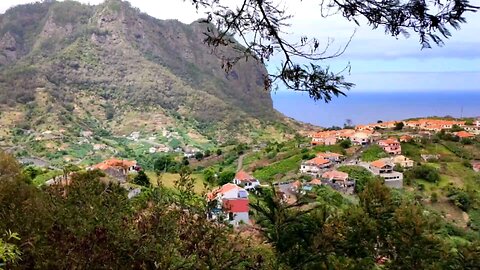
(332, 158)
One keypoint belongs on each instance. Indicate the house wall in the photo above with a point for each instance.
(239, 218)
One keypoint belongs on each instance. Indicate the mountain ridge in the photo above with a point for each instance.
(112, 69)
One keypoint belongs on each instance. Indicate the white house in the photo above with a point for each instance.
(245, 180)
(477, 123)
(231, 202)
(332, 157)
(385, 170)
(315, 165)
(360, 138)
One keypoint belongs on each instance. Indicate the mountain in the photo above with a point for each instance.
(111, 69)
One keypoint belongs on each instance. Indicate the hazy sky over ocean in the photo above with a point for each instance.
(378, 62)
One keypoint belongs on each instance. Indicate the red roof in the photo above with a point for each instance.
(243, 176)
(335, 175)
(316, 182)
(379, 163)
(115, 163)
(318, 161)
(464, 134)
(222, 190)
(235, 205)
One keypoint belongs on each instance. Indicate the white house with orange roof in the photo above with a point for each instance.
(464, 134)
(117, 168)
(245, 180)
(336, 177)
(385, 170)
(332, 157)
(315, 165)
(391, 146)
(231, 203)
(360, 138)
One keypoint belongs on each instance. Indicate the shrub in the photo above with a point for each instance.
(424, 172)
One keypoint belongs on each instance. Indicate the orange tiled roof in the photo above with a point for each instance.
(318, 161)
(328, 154)
(243, 176)
(222, 190)
(335, 175)
(316, 182)
(389, 141)
(464, 134)
(109, 163)
(379, 163)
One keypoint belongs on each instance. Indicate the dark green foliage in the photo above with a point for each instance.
(373, 153)
(424, 172)
(141, 179)
(399, 126)
(90, 224)
(226, 177)
(460, 198)
(456, 128)
(345, 144)
(209, 176)
(361, 176)
(198, 155)
(218, 152)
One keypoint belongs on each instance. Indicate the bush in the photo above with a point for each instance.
(345, 144)
(424, 172)
(141, 179)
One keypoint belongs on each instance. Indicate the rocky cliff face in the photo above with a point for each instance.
(115, 59)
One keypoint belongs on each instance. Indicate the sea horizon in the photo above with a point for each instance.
(364, 107)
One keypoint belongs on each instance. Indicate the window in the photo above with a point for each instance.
(230, 216)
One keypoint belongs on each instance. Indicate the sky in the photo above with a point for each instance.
(378, 62)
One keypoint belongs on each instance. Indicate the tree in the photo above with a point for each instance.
(219, 152)
(346, 143)
(226, 177)
(399, 126)
(142, 179)
(9, 253)
(199, 155)
(209, 175)
(162, 163)
(260, 24)
(348, 123)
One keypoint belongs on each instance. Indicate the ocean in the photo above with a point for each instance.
(369, 107)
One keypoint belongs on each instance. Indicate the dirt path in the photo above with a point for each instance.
(240, 162)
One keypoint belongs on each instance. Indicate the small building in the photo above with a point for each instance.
(403, 161)
(360, 138)
(315, 165)
(117, 168)
(391, 146)
(406, 138)
(330, 140)
(385, 170)
(428, 158)
(245, 180)
(315, 182)
(336, 177)
(230, 202)
(476, 166)
(464, 135)
(98, 147)
(236, 211)
(477, 122)
(332, 157)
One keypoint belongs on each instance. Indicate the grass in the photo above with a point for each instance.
(373, 153)
(42, 178)
(168, 180)
(269, 172)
